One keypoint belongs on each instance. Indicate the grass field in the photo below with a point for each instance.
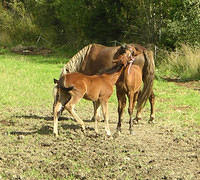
(169, 149)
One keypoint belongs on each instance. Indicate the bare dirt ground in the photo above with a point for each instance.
(160, 151)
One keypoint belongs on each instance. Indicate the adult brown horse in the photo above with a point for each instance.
(96, 58)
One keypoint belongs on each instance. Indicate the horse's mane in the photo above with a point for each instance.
(74, 64)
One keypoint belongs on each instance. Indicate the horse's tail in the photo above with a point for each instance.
(148, 77)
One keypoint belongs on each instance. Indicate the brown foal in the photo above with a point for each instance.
(130, 84)
(97, 88)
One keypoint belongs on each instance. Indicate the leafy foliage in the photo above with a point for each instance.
(72, 23)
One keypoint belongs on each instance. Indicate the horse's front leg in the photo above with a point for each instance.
(57, 111)
(70, 108)
(55, 96)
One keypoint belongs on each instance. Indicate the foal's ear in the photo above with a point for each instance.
(55, 81)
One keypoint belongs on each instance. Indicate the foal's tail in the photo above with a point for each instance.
(148, 77)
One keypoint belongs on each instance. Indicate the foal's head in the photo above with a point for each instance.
(127, 49)
(125, 56)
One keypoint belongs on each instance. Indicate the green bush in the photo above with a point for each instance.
(16, 25)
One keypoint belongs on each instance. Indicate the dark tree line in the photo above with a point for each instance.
(165, 23)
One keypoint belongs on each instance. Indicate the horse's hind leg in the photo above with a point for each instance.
(138, 113)
(152, 103)
(70, 108)
(121, 106)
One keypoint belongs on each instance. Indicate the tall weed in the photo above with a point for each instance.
(184, 63)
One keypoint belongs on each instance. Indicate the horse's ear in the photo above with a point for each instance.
(115, 61)
(55, 81)
(124, 46)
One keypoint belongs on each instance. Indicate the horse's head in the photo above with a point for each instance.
(127, 54)
(128, 49)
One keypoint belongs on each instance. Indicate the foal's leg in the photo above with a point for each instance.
(58, 108)
(61, 99)
(96, 112)
(121, 96)
(97, 104)
(55, 96)
(104, 105)
(132, 100)
(70, 108)
(152, 103)
(56, 111)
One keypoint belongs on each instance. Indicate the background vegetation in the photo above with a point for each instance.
(28, 148)
(169, 27)
(60, 22)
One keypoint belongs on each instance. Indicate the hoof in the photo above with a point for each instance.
(117, 134)
(97, 132)
(107, 137)
(132, 132)
(151, 120)
(108, 134)
(98, 119)
(135, 121)
(93, 119)
(83, 131)
(55, 134)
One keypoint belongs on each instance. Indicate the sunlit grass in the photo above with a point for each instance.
(26, 106)
(27, 82)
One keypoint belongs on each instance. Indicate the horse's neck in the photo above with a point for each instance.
(115, 76)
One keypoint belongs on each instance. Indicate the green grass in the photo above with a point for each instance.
(27, 82)
(26, 99)
(177, 104)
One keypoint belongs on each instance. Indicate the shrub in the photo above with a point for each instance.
(17, 24)
(184, 63)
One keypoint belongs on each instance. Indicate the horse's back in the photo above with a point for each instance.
(98, 59)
